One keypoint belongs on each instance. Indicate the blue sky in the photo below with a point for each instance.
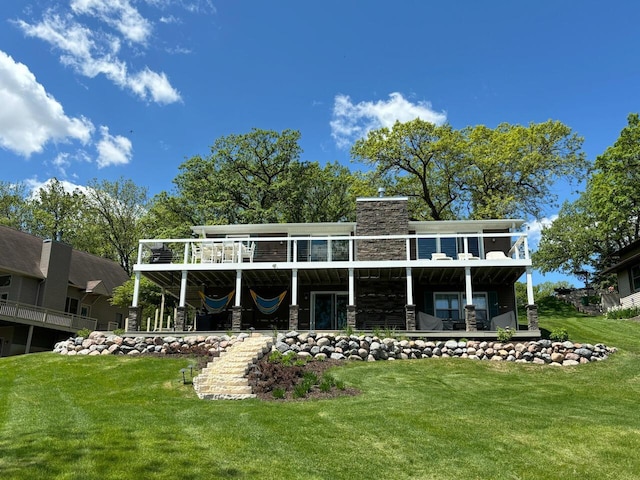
(131, 88)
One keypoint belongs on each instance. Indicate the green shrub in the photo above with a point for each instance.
(504, 334)
(118, 331)
(278, 392)
(559, 334)
(620, 313)
(84, 333)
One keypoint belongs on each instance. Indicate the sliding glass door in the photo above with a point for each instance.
(328, 310)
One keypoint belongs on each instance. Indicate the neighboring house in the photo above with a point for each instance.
(48, 290)
(628, 272)
(381, 271)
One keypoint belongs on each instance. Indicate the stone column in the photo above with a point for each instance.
(236, 318)
(532, 317)
(411, 317)
(293, 317)
(351, 316)
(470, 318)
(135, 313)
(179, 321)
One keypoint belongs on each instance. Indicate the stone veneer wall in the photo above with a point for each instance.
(381, 216)
(381, 303)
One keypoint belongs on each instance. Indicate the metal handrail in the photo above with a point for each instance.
(45, 316)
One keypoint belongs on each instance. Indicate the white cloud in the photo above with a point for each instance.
(118, 14)
(91, 53)
(534, 229)
(113, 150)
(156, 84)
(30, 117)
(34, 185)
(352, 121)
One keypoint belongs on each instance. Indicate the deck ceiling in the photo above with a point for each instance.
(197, 280)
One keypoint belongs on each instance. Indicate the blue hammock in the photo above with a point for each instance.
(216, 305)
(267, 305)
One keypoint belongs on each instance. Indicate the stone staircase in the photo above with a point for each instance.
(225, 378)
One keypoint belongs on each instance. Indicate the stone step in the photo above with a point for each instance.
(225, 376)
(229, 389)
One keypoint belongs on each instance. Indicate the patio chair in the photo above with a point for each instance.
(496, 255)
(429, 322)
(505, 320)
(440, 256)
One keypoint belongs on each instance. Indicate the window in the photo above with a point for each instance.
(323, 250)
(450, 246)
(71, 305)
(4, 297)
(447, 305)
(635, 278)
(482, 309)
(5, 280)
(85, 310)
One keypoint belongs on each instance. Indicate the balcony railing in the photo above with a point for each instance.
(284, 249)
(33, 315)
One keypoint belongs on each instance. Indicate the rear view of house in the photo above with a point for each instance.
(49, 290)
(381, 271)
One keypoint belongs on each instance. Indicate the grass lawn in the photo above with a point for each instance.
(115, 418)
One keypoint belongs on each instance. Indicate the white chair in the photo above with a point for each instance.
(496, 255)
(467, 256)
(247, 251)
(505, 320)
(429, 322)
(440, 256)
(229, 252)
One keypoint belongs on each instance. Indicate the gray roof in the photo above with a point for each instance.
(20, 253)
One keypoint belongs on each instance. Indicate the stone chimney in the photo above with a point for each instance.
(382, 216)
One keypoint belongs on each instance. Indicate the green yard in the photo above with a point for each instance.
(115, 418)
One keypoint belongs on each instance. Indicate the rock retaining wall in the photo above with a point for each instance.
(345, 347)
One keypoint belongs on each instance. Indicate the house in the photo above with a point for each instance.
(627, 270)
(48, 290)
(382, 271)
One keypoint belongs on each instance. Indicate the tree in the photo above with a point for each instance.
(256, 178)
(476, 172)
(605, 218)
(244, 180)
(57, 213)
(118, 208)
(14, 208)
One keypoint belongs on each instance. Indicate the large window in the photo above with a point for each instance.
(450, 246)
(323, 250)
(71, 305)
(449, 306)
(5, 280)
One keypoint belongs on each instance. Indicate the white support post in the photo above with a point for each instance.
(162, 300)
(467, 282)
(294, 286)
(136, 290)
(238, 302)
(352, 289)
(295, 251)
(409, 287)
(183, 289)
(186, 252)
(408, 248)
(530, 299)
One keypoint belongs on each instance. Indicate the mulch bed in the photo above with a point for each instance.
(266, 376)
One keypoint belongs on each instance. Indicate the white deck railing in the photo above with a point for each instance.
(414, 247)
(33, 315)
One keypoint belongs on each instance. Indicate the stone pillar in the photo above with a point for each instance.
(293, 317)
(236, 318)
(135, 313)
(351, 316)
(470, 318)
(179, 321)
(411, 317)
(532, 317)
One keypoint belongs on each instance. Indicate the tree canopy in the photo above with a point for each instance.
(604, 218)
(476, 172)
